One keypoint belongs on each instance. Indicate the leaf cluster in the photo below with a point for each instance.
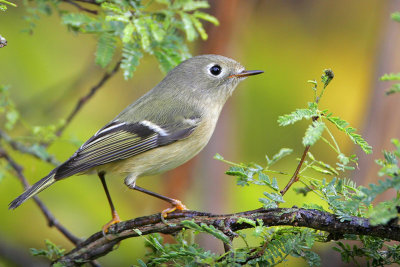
(52, 251)
(156, 28)
(395, 88)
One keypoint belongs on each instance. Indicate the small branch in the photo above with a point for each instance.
(84, 99)
(295, 176)
(98, 245)
(80, 7)
(51, 220)
(93, 2)
(27, 150)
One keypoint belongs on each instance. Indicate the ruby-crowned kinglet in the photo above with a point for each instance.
(160, 131)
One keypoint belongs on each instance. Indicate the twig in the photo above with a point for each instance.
(93, 2)
(27, 150)
(85, 98)
(80, 7)
(295, 176)
(51, 220)
(98, 245)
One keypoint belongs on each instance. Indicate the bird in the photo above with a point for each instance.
(160, 131)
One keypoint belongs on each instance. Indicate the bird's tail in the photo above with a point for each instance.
(33, 190)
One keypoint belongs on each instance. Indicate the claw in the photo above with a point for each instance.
(115, 219)
(176, 205)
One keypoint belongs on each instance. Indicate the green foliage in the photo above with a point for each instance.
(392, 76)
(374, 251)
(247, 174)
(207, 229)
(396, 16)
(52, 251)
(141, 28)
(342, 125)
(4, 3)
(313, 133)
(315, 130)
(297, 115)
(7, 108)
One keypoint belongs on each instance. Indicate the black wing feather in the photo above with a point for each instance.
(118, 141)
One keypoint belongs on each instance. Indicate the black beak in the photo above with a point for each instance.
(246, 73)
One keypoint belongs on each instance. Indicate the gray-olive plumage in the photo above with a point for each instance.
(160, 131)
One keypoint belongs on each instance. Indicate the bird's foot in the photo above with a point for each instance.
(176, 205)
(115, 219)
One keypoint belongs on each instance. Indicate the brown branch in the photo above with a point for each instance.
(85, 98)
(98, 245)
(295, 176)
(80, 7)
(51, 220)
(93, 2)
(27, 150)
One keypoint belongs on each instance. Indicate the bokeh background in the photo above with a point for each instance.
(292, 41)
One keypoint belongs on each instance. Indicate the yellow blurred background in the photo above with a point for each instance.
(292, 41)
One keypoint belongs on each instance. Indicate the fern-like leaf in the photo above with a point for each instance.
(105, 49)
(313, 133)
(295, 116)
(130, 60)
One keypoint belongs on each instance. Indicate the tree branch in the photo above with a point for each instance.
(27, 150)
(98, 245)
(51, 220)
(81, 7)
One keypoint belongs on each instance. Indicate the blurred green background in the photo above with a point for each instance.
(292, 41)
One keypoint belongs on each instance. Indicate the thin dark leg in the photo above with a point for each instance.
(176, 204)
(103, 181)
(115, 218)
(170, 200)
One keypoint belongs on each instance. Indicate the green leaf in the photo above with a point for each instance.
(131, 56)
(76, 20)
(283, 152)
(394, 89)
(342, 125)
(384, 212)
(247, 220)
(391, 76)
(142, 30)
(268, 203)
(142, 263)
(105, 49)
(188, 27)
(275, 197)
(52, 252)
(295, 116)
(115, 8)
(206, 17)
(207, 229)
(157, 31)
(313, 133)
(12, 117)
(199, 27)
(396, 16)
(218, 157)
(128, 32)
(193, 5)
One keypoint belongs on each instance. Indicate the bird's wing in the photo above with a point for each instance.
(120, 140)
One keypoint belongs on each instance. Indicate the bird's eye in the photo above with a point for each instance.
(215, 70)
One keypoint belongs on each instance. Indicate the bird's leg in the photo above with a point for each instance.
(115, 218)
(176, 204)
